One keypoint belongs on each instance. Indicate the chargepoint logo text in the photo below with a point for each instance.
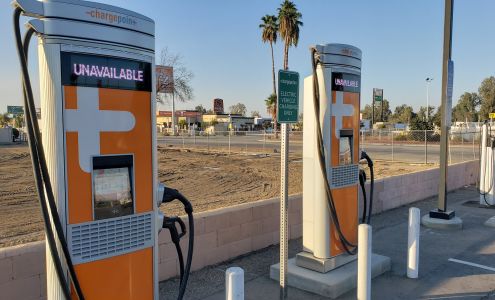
(110, 17)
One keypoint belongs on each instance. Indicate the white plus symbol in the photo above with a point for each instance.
(340, 110)
(88, 121)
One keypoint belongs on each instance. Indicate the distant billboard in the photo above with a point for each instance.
(164, 79)
(378, 95)
(15, 110)
(218, 106)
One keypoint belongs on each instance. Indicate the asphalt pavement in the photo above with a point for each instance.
(453, 264)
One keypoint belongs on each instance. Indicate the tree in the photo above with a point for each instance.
(200, 108)
(403, 114)
(4, 119)
(19, 121)
(289, 22)
(271, 108)
(238, 109)
(486, 92)
(180, 84)
(269, 35)
(255, 113)
(367, 111)
(465, 109)
(422, 112)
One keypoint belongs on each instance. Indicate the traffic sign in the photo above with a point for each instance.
(378, 94)
(492, 115)
(15, 110)
(288, 96)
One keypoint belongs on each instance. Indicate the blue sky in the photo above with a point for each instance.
(220, 43)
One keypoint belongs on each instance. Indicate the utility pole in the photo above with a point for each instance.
(447, 84)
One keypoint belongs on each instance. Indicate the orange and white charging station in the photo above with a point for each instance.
(97, 155)
(339, 82)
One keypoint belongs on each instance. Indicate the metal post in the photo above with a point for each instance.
(426, 148)
(284, 210)
(462, 146)
(183, 142)
(194, 134)
(173, 113)
(208, 141)
(446, 114)
(392, 146)
(264, 140)
(364, 262)
(373, 110)
(230, 133)
(413, 242)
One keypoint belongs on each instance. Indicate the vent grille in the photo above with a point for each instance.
(342, 176)
(105, 238)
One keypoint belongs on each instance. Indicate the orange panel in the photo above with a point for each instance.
(123, 277)
(345, 199)
(136, 142)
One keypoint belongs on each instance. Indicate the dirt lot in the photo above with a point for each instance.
(209, 180)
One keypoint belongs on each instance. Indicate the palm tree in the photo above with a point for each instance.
(271, 108)
(269, 35)
(289, 22)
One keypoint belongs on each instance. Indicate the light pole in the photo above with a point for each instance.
(428, 80)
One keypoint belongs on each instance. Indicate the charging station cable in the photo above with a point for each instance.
(170, 195)
(40, 169)
(365, 156)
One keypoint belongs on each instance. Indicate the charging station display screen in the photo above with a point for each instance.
(345, 82)
(345, 150)
(105, 72)
(112, 186)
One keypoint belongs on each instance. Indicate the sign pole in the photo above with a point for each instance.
(287, 112)
(373, 111)
(447, 85)
(284, 210)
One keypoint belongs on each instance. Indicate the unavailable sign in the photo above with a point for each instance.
(288, 97)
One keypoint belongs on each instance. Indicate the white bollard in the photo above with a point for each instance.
(364, 262)
(234, 284)
(413, 242)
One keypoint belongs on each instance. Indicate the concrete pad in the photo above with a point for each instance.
(490, 222)
(454, 223)
(332, 284)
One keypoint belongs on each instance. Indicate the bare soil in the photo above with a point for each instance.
(209, 180)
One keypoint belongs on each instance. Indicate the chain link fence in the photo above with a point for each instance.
(419, 146)
(410, 146)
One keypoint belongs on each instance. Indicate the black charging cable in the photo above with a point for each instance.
(40, 169)
(170, 195)
(369, 161)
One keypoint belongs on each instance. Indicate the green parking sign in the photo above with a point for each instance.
(288, 96)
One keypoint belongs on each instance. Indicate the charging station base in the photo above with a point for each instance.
(332, 284)
(322, 265)
(440, 223)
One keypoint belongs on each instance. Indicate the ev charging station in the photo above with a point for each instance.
(339, 83)
(332, 176)
(97, 157)
(486, 187)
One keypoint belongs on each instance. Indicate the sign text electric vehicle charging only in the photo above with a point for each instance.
(97, 158)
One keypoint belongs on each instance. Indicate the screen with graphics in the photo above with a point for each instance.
(112, 186)
(105, 72)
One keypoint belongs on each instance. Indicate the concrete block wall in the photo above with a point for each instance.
(226, 233)
(22, 272)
